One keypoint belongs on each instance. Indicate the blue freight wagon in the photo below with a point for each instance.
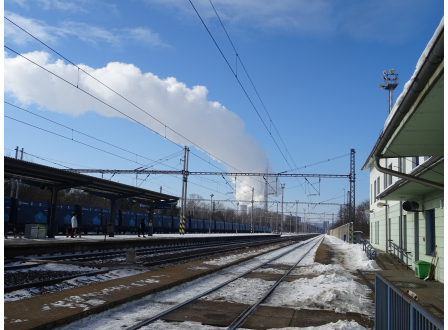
(209, 224)
(193, 225)
(167, 223)
(157, 223)
(64, 216)
(176, 224)
(106, 217)
(234, 227)
(228, 226)
(90, 219)
(128, 222)
(201, 225)
(31, 212)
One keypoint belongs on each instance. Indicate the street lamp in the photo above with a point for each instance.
(390, 83)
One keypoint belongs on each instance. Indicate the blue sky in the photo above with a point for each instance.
(316, 66)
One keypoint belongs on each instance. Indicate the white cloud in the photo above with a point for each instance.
(87, 33)
(185, 110)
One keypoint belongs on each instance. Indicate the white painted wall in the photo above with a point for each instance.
(427, 202)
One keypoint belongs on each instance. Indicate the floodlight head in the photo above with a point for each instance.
(368, 211)
(381, 86)
(392, 71)
(385, 72)
(381, 204)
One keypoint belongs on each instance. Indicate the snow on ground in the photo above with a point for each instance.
(56, 267)
(151, 305)
(229, 259)
(162, 325)
(292, 258)
(71, 283)
(328, 292)
(352, 255)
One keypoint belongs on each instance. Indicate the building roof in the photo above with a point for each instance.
(415, 125)
(403, 189)
(18, 169)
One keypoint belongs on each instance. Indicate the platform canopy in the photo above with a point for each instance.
(47, 176)
(433, 170)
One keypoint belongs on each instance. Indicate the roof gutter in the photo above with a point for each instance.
(432, 61)
(412, 178)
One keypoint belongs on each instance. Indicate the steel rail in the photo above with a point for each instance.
(229, 248)
(245, 314)
(142, 251)
(158, 316)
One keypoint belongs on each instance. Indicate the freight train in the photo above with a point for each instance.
(18, 212)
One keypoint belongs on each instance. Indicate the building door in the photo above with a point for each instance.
(416, 237)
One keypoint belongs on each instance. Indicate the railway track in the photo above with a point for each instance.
(167, 256)
(81, 259)
(243, 316)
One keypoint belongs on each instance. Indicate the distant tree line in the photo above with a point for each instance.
(362, 220)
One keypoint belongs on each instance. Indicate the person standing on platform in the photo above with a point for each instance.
(74, 224)
(142, 228)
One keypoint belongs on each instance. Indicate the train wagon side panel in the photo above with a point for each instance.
(167, 223)
(200, 225)
(32, 212)
(157, 222)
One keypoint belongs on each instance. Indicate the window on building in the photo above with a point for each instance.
(430, 232)
(403, 164)
(385, 181)
(414, 162)
(378, 185)
(426, 158)
(390, 176)
(374, 190)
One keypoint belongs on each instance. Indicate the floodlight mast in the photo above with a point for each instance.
(390, 83)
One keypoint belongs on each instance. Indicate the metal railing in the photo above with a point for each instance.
(368, 249)
(396, 310)
(399, 253)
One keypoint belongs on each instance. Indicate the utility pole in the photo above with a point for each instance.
(183, 208)
(283, 190)
(297, 214)
(211, 214)
(252, 213)
(160, 189)
(276, 220)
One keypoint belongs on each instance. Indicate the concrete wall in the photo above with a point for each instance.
(341, 231)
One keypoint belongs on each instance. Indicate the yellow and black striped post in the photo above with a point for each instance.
(182, 225)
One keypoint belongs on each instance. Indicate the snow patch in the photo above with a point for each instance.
(329, 292)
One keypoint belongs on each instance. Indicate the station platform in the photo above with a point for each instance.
(58, 308)
(430, 293)
(14, 247)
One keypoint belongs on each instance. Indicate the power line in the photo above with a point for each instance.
(242, 87)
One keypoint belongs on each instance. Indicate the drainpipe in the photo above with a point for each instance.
(386, 206)
(412, 178)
